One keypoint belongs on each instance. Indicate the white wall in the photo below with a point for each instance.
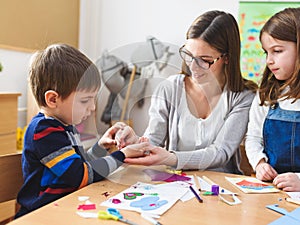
(109, 24)
(13, 78)
(113, 24)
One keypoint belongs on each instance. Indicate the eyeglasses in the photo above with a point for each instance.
(187, 57)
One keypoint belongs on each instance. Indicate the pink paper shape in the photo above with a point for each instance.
(86, 207)
(157, 175)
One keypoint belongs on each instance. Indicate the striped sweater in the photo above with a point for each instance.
(55, 164)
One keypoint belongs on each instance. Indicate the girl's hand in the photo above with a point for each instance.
(287, 182)
(265, 172)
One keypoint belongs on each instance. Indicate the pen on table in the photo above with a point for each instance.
(209, 181)
(196, 195)
(293, 201)
(197, 182)
(150, 219)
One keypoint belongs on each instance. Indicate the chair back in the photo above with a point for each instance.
(11, 177)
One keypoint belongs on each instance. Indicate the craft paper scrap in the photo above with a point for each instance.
(150, 198)
(294, 197)
(86, 207)
(88, 215)
(189, 194)
(157, 175)
(83, 198)
(292, 218)
(251, 185)
(205, 186)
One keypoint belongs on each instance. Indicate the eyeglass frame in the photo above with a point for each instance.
(199, 58)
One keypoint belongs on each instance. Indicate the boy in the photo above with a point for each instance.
(65, 84)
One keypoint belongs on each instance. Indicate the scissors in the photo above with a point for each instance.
(113, 214)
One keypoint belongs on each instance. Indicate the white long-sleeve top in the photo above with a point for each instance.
(254, 144)
(210, 143)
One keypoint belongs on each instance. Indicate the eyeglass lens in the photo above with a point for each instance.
(188, 58)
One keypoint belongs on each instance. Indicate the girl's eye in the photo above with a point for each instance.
(277, 51)
(84, 101)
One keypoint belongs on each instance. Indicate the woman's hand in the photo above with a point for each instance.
(287, 182)
(136, 150)
(264, 171)
(155, 156)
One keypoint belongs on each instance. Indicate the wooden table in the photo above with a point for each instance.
(212, 211)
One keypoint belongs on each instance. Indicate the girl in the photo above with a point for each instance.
(273, 137)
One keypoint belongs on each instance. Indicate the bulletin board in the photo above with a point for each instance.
(34, 24)
(252, 16)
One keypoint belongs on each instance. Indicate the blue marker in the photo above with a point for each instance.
(196, 195)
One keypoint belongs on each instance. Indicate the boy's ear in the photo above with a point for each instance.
(51, 98)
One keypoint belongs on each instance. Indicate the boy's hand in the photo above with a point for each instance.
(126, 136)
(265, 172)
(136, 150)
(108, 138)
(287, 181)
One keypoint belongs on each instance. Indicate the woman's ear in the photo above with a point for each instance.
(51, 98)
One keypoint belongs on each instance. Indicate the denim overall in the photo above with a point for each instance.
(281, 134)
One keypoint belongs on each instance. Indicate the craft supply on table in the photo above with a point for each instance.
(209, 181)
(197, 183)
(291, 200)
(294, 197)
(292, 218)
(226, 196)
(157, 175)
(207, 193)
(234, 201)
(149, 218)
(110, 214)
(251, 185)
(207, 186)
(196, 195)
(215, 189)
(87, 206)
(152, 198)
(113, 214)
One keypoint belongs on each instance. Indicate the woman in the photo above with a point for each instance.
(201, 115)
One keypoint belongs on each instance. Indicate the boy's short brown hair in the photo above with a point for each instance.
(64, 69)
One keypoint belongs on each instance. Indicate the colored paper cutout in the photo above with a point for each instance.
(116, 201)
(86, 207)
(155, 197)
(149, 203)
(157, 175)
(251, 185)
(132, 195)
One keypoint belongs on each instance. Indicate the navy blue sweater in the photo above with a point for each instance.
(55, 164)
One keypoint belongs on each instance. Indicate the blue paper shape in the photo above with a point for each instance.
(148, 203)
(290, 218)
